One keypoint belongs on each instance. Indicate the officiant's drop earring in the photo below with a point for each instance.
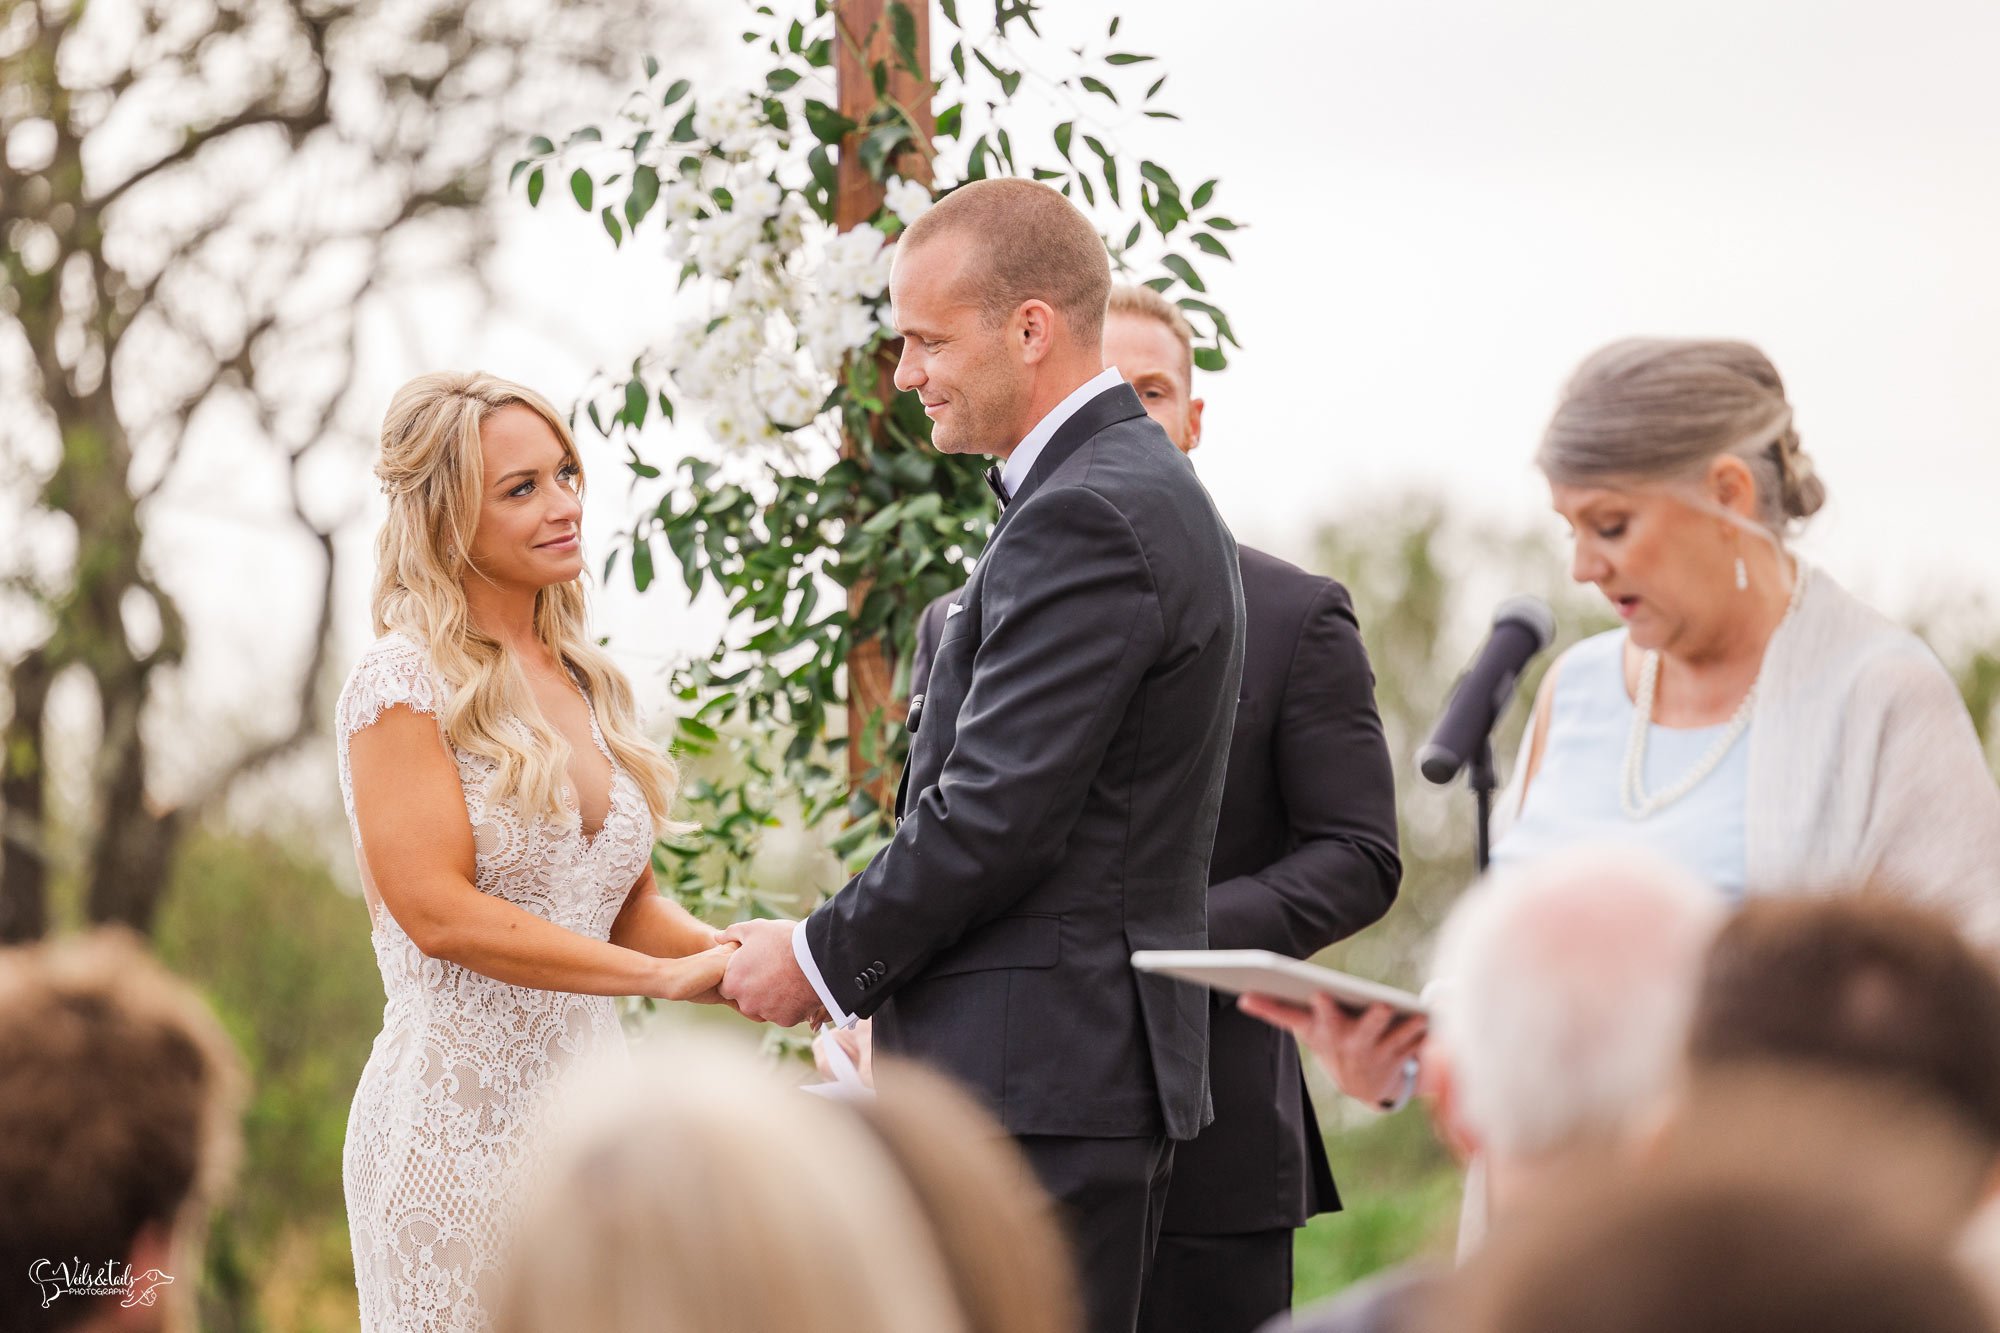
(1742, 575)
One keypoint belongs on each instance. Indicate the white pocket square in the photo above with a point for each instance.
(952, 610)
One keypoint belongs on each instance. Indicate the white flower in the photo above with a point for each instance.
(907, 199)
(759, 199)
(832, 328)
(723, 242)
(856, 265)
(787, 399)
(682, 201)
(732, 124)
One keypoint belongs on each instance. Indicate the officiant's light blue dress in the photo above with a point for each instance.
(1574, 801)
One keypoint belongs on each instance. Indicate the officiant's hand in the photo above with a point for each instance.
(763, 979)
(1366, 1053)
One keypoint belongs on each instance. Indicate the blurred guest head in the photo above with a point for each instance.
(1657, 1255)
(1860, 983)
(1562, 995)
(1679, 470)
(998, 1230)
(485, 505)
(998, 292)
(1151, 343)
(120, 1107)
(698, 1193)
(1884, 1147)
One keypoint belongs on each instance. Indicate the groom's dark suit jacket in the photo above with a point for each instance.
(1061, 797)
(1305, 854)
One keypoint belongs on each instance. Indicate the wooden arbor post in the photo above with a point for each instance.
(863, 39)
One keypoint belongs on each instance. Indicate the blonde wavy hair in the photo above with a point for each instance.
(432, 470)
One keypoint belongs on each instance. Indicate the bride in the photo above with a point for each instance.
(503, 805)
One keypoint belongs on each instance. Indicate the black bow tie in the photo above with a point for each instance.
(992, 476)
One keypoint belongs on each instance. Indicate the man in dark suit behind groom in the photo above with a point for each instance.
(1305, 854)
(1066, 770)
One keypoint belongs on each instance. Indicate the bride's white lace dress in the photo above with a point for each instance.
(455, 1103)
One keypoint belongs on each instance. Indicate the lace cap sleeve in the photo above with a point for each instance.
(394, 671)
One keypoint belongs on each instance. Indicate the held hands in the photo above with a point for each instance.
(695, 976)
(1365, 1053)
(763, 979)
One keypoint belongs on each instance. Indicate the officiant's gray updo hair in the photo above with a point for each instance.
(1663, 409)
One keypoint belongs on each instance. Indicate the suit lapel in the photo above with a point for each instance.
(1116, 404)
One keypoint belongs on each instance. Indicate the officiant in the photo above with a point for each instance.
(1305, 855)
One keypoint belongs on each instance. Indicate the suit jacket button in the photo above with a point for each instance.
(862, 981)
(877, 965)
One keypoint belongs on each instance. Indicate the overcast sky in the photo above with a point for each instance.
(1451, 203)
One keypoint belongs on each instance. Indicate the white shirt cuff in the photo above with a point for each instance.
(841, 1018)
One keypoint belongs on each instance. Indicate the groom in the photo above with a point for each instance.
(1066, 767)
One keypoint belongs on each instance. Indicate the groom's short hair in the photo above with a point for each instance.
(1032, 244)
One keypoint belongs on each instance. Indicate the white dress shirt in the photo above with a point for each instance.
(1016, 470)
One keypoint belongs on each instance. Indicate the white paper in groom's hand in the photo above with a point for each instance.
(846, 1085)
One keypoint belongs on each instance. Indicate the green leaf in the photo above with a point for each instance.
(881, 144)
(1163, 115)
(1203, 241)
(683, 129)
(1007, 151)
(778, 80)
(950, 8)
(1125, 58)
(579, 185)
(588, 134)
(1100, 87)
(1111, 180)
(534, 187)
(903, 31)
(642, 564)
(1219, 224)
(645, 193)
(514, 176)
(1183, 270)
(1210, 358)
(827, 124)
(611, 225)
(675, 92)
(1097, 147)
(1222, 329)
(958, 60)
(1202, 194)
(636, 402)
(652, 67)
(795, 37)
(1063, 133)
(1153, 91)
(541, 146)
(950, 120)
(1132, 236)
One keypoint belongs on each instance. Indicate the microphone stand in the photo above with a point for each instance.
(1479, 776)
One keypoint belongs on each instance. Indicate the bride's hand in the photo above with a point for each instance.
(694, 977)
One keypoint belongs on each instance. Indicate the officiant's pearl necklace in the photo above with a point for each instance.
(1632, 791)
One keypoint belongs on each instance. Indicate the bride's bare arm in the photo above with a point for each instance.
(653, 923)
(418, 844)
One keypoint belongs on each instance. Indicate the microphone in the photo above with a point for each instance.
(1522, 627)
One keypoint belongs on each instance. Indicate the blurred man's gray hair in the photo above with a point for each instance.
(1563, 994)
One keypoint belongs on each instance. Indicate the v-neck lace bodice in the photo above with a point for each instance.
(455, 1100)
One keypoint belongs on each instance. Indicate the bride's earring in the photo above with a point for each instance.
(1742, 575)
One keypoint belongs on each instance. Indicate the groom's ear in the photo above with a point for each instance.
(1034, 330)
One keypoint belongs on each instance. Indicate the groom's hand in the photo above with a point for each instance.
(763, 980)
